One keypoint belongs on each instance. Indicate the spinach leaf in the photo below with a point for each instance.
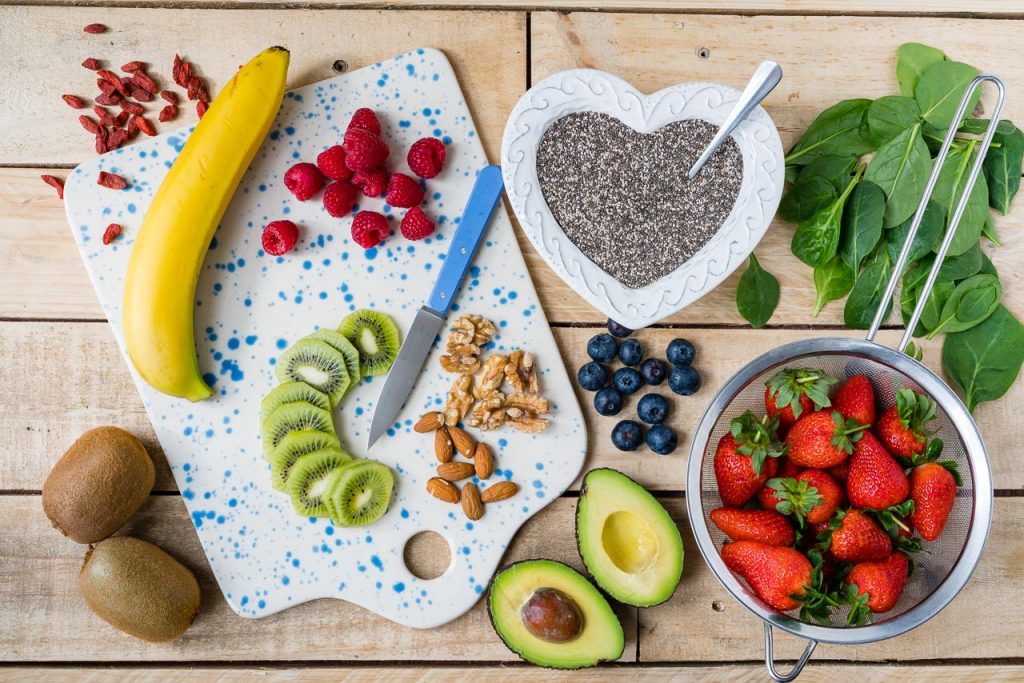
(861, 226)
(948, 190)
(837, 130)
(939, 91)
(987, 266)
(816, 239)
(889, 116)
(984, 361)
(971, 303)
(806, 198)
(757, 294)
(929, 234)
(953, 268)
(912, 60)
(979, 126)
(932, 309)
(836, 168)
(901, 167)
(866, 295)
(988, 231)
(832, 281)
(1002, 168)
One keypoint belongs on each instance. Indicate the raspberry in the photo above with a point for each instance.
(364, 151)
(367, 120)
(339, 198)
(403, 191)
(279, 237)
(369, 229)
(372, 183)
(303, 180)
(426, 157)
(416, 225)
(331, 163)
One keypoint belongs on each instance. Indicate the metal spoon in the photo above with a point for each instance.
(765, 78)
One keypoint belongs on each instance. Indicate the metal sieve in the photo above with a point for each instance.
(940, 574)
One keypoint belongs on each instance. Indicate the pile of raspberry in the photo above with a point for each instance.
(357, 166)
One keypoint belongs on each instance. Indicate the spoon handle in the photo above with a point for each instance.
(765, 78)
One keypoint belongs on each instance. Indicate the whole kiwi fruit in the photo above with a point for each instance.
(98, 484)
(138, 588)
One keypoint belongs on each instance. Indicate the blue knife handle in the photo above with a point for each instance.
(482, 200)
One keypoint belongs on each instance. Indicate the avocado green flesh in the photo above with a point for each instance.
(602, 638)
(628, 541)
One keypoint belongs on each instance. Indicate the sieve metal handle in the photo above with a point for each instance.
(954, 222)
(769, 658)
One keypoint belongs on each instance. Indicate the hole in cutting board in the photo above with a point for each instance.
(427, 555)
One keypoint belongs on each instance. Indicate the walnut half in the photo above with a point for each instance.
(523, 411)
(521, 373)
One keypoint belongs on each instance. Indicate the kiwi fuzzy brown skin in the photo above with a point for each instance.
(98, 484)
(139, 589)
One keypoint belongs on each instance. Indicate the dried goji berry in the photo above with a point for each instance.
(74, 101)
(100, 111)
(111, 233)
(112, 78)
(185, 73)
(117, 137)
(169, 96)
(92, 64)
(111, 180)
(133, 126)
(89, 125)
(106, 87)
(193, 87)
(203, 95)
(201, 108)
(131, 67)
(143, 95)
(176, 70)
(142, 79)
(108, 100)
(168, 113)
(95, 28)
(144, 125)
(55, 183)
(121, 118)
(101, 142)
(132, 107)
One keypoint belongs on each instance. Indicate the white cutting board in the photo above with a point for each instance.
(250, 305)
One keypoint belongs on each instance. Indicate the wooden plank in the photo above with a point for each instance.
(44, 45)
(981, 618)
(696, 673)
(42, 617)
(46, 403)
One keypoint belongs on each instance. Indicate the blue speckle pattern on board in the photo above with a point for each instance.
(250, 306)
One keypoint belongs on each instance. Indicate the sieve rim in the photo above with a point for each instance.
(975, 454)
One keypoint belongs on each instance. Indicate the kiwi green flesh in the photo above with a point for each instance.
(307, 480)
(361, 493)
(292, 392)
(288, 453)
(376, 338)
(347, 350)
(316, 363)
(294, 417)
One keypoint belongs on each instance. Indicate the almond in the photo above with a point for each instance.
(483, 461)
(444, 490)
(455, 471)
(501, 490)
(443, 445)
(471, 503)
(463, 441)
(430, 422)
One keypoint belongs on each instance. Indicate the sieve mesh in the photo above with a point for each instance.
(931, 567)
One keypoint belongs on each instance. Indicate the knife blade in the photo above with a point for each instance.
(430, 318)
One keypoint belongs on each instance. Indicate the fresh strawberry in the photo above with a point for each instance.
(902, 428)
(763, 526)
(855, 400)
(876, 480)
(933, 489)
(746, 458)
(840, 472)
(812, 496)
(790, 393)
(822, 439)
(775, 573)
(830, 492)
(876, 586)
(857, 538)
(767, 495)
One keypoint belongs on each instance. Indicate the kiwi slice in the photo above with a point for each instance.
(316, 363)
(294, 446)
(360, 493)
(292, 392)
(294, 417)
(351, 354)
(307, 481)
(376, 338)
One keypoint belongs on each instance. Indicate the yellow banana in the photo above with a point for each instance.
(160, 287)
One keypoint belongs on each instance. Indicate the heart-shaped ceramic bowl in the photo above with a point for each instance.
(589, 90)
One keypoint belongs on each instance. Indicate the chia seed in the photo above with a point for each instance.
(623, 197)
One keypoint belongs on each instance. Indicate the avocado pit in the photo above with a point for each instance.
(552, 616)
(629, 541)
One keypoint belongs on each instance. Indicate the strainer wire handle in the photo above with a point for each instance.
(954, 222)
(769, 658)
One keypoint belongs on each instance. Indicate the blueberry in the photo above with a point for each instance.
(653, 371)
(680, 352)
(684, 381)
(627, 380)
(662, 439)
(602, 348)
(618, 330)
(608, 401)
(631, 352)
(652, 409)
(627, 435)
(592, 376)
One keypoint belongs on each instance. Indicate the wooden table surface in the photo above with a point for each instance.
(60, 372)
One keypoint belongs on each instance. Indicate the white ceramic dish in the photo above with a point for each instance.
(580, 90)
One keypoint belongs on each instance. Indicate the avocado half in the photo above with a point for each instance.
(600, 640)
(627, 540)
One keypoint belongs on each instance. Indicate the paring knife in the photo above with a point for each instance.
(430, 318)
